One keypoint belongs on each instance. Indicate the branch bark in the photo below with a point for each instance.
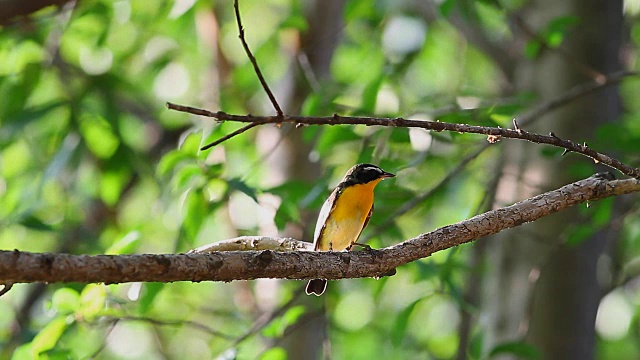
(494, 134)
(23, 267)
(12, 9)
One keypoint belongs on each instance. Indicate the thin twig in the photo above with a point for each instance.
(229, 136)
(254, 62)
(584, 68)
(263, 82)
(572, 94)
(267, 318)
(336, 119)
(409, 205)
(192, 324)
(103, 345)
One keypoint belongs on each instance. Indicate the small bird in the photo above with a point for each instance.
(345, 214)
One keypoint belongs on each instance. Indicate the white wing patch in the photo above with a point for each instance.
(322, 218)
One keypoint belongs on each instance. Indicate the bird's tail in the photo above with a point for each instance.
(316, 287)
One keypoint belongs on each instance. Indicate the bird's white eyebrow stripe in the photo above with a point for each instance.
(373, 168)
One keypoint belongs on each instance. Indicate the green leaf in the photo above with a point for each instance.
(98, 135)
(61, 159)
(313, 105)
(23, 352)
(190, 143)
(399, 136)
(277, 327)
(113, 180)
(334, 135)
(519, 349)
(149, 293)
(92, 301)
(297, 21)
(475, 346)
(580, 234)
(48, 337)
(239, 185)
(287, 211)
(195, 211)
(125, 245)
(65, 300)
(358, 9)
(532, 49)
(446, 7)
(171, 160)
(602, 212)
(34, 223)
(370, 94)
(189, 175)
(274, 353)
(557, 29)
(400, 325)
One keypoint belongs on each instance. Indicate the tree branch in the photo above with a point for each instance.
(493, 133)
(253, 60)
(12, 9)
(21, 267)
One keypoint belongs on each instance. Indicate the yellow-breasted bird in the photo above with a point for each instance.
(345, 214)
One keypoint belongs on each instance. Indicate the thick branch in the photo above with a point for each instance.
(493, 133)
(21, 267)
(15, 8)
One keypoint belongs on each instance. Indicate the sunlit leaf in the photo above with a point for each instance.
(297, 22)
(194, 212)
(98, 135)
(274, 353)
(92, 301)
(48, 337)
(125, 245)
(65, 300)
(279, 325)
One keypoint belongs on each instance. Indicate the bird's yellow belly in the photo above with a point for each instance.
(347, 218)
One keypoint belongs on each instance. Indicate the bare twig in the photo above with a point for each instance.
(263, 82)
(189, 323)
(12, 9)
(336, 119)
(229, 136)
(584, 68)
(572, 94)
(20, 267)
(407, 206)
(267, 318)
(253, 60)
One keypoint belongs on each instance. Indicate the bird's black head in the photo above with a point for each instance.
(364, 173)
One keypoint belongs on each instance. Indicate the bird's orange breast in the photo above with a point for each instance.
(347, 218)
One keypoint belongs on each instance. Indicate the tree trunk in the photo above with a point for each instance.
(540, 289)
(309, 337)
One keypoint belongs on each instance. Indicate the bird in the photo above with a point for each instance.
(345, 214)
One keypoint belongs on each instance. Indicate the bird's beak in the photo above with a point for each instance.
(387, 175)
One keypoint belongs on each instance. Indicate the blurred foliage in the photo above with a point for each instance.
(92, 162)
